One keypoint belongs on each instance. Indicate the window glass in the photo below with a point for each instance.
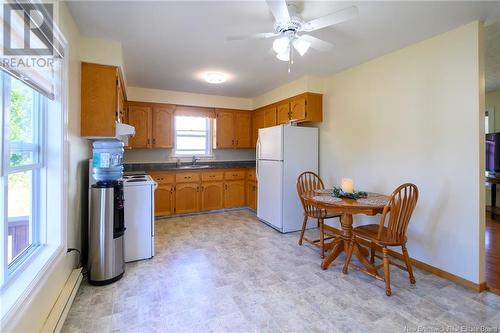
(19, 213)
(23, 124)
(192, 136)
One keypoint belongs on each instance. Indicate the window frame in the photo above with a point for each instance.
(40, 106)
(208, 145)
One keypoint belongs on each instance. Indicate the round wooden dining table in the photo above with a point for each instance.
(372, 205)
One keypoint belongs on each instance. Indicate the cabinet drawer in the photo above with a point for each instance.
(208, 176)
(163, 178)
(234, 174)
(251, 175)
(187, 177)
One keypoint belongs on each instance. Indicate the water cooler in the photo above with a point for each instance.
(106, 262)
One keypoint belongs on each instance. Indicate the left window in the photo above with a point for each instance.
(23, 127)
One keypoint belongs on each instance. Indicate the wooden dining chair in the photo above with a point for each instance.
(397, 212)
(309, 181)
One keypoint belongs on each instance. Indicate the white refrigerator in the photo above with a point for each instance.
(283, 153)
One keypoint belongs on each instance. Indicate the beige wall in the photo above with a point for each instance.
(493, 100)
(394, 120)
(307, 83)
(102, 51)
(32, 317)
(185, 98)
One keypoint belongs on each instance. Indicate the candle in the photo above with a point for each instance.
(347, 185)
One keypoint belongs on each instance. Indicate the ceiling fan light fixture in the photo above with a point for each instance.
(284, 56)
(215, 77)
(301, 46)
(280, 45)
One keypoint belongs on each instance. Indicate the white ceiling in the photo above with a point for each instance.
(166, 44)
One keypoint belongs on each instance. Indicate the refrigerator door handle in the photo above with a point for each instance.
(258, 158)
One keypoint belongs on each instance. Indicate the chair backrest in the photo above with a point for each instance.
(309, 181)
(400, 207)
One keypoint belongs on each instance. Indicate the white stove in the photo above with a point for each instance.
(138, 192)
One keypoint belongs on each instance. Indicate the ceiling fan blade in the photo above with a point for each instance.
(317, 43)
(332, 19)
(279, 10)
(253, 36)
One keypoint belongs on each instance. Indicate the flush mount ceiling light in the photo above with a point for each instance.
(290, 27)
(215, 77)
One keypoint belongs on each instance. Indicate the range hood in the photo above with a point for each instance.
(122, 133)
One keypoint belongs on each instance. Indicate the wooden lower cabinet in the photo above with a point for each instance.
(194, 191)
(164, 199)
(252, 195)
(187, 198)
(234, 193)
(212, 195)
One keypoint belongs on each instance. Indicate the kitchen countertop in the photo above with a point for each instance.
(172, 166)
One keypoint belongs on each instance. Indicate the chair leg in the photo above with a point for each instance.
(408, 264)
(387, 274)
(348, 257)
(322, 237)
(303, 230)
(372, 252)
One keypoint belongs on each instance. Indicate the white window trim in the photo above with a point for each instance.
(208, 149)
(16, 292)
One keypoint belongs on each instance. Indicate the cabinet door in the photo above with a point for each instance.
(140, 118)
(252, 195)
(212, 195)
(224, 129)
(283, 111)
(258, 122)
(270, 117)
(234, 193)
(163, 126)
(298, 108)
(164, 200)
(120, 104)
(187, 198)
(243, 129)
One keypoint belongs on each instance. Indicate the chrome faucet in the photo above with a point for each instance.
(178, 163)
(194, 159)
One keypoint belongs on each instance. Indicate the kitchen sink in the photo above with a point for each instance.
(196, 166)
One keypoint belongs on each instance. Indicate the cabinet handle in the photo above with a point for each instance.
(202, 188)
(154, 141)
(225, 186)
(148, 141)
(232, 142)
(197, 189)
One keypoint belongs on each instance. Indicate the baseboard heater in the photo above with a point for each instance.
(59, 312)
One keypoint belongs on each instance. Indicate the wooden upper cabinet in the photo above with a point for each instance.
(243, 129)
(270, 117)
(306, 107)
(233, 128)
(163, 126)
(140, 117)
(283, 112)
(102, 100)
(224, 128)
(257, 123)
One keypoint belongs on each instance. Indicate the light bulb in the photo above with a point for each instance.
(284, 56)
(215, 77)
(301, 46)
(280, 45)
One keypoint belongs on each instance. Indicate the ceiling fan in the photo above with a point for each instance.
(290, 25)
